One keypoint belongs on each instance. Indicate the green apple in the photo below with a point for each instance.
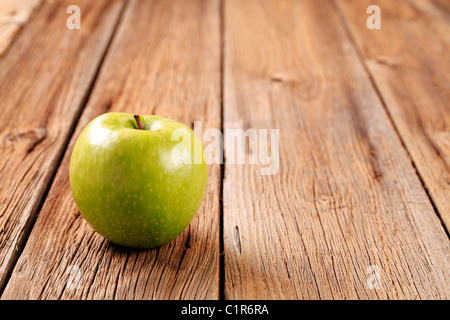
(135, 181)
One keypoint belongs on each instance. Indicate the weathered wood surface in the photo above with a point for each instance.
(45, 77)
(165, 60)
(408, 59)
(358, 111)
(13, 15)
(346, 196)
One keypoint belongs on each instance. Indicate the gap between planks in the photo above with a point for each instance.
(222, 167)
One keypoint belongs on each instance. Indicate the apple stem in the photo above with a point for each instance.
(138, 121)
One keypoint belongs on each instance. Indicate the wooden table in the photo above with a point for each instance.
(359, 208)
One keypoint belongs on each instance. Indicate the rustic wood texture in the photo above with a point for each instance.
(45, 77)
(363, 118)
(408, 59)
(13, 15)
(165, 60)
(346, 196)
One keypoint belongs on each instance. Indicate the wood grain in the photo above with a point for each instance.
(13, 15)
(346, 196)
(165, 60)
(44, 81)
(408, 60)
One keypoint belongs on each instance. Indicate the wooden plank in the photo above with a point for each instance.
(44, 81)
(408, 60)
(165, 59)
(346, 208)
(13, 15)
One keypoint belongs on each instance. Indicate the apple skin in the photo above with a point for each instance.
(129, 185)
